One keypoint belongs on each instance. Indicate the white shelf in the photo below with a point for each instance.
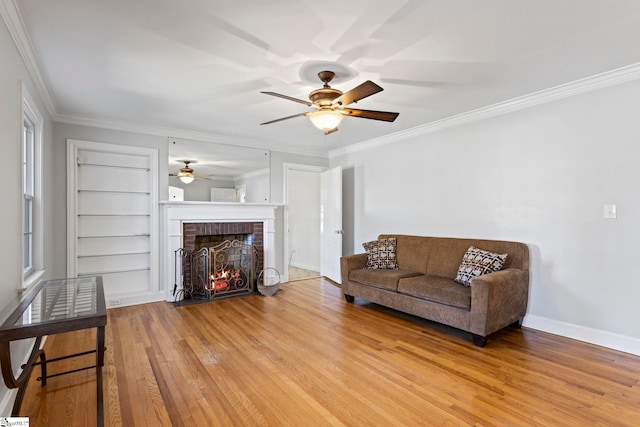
(114, 254)
(114, 214)
(124, 270)
(114, 191)
(114, 235)
(114, 166)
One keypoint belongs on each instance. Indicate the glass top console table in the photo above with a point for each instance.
(54, 307)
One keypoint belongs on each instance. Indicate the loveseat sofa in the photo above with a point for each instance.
(424, 283)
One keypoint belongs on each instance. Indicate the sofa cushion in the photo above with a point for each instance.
(381, 278)
(437, 289)
(477, 262)
(381, 253)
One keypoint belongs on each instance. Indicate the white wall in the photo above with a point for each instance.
(257, 183)
(541, 176)
(304, 219)
(12, 72)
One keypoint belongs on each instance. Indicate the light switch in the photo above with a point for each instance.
(609, 211)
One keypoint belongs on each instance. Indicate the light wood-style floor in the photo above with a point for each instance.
(305, 357)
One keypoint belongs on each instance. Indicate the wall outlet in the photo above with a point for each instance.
(114, 302)
(610, 212)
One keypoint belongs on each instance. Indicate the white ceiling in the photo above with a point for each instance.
(199, 66)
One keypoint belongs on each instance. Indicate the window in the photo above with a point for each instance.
(32, 247)
(28, 172)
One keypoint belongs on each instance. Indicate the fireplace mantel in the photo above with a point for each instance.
(175, 214)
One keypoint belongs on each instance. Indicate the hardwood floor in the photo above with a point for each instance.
(305, 357)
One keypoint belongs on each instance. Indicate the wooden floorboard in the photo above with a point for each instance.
(305, 357)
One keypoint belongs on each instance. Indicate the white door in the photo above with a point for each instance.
(331, 223)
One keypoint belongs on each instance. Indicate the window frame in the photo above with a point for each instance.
(31, 192)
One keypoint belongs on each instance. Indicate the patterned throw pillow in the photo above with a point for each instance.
(381, 254)
(477, 262)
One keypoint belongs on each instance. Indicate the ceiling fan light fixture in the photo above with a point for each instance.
(187, 179)
(330, 104)
(326, 119)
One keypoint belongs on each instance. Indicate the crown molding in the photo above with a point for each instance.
(119, 125)
(587, 84)
(15, 24)
(13, 19)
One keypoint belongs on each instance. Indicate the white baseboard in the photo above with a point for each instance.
(305, 266)
(599, 337)
(135, 300)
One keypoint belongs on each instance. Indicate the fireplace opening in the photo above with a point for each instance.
(207, 241)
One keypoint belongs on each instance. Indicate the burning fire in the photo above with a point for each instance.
(225, 279)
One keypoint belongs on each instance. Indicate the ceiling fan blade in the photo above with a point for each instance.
(285, 118)
(279, 95)
(369, 114)
(335, 129)
(367, 88)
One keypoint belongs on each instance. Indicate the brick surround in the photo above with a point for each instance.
(190, 230)
(221, 231)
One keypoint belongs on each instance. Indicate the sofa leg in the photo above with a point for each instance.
(479, 340)
(349, 298)
(517, 324)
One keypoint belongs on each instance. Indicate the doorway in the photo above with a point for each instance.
(302, 199)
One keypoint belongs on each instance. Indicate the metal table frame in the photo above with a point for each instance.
(54, 307)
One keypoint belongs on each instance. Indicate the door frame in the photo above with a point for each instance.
(285, 201)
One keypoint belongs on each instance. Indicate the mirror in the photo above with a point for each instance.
(232, 173)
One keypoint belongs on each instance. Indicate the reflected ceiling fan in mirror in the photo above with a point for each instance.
(330, 103)
(186, 174)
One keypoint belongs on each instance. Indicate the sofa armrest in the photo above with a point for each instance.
(351, 262)
(498, 299)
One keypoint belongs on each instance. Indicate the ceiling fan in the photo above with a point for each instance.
(186, 174)
(330, 103)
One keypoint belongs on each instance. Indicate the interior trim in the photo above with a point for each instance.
(566, 90)
(15, 24)
(13, 19)
(599, 337)
(180, 133)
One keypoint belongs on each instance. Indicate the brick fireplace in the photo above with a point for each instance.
(183, 222)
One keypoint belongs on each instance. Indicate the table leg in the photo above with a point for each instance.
(7, 371)
(99, 364)
(15, 412)
(43, 368)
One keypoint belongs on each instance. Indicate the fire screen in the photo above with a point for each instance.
(224, 270)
